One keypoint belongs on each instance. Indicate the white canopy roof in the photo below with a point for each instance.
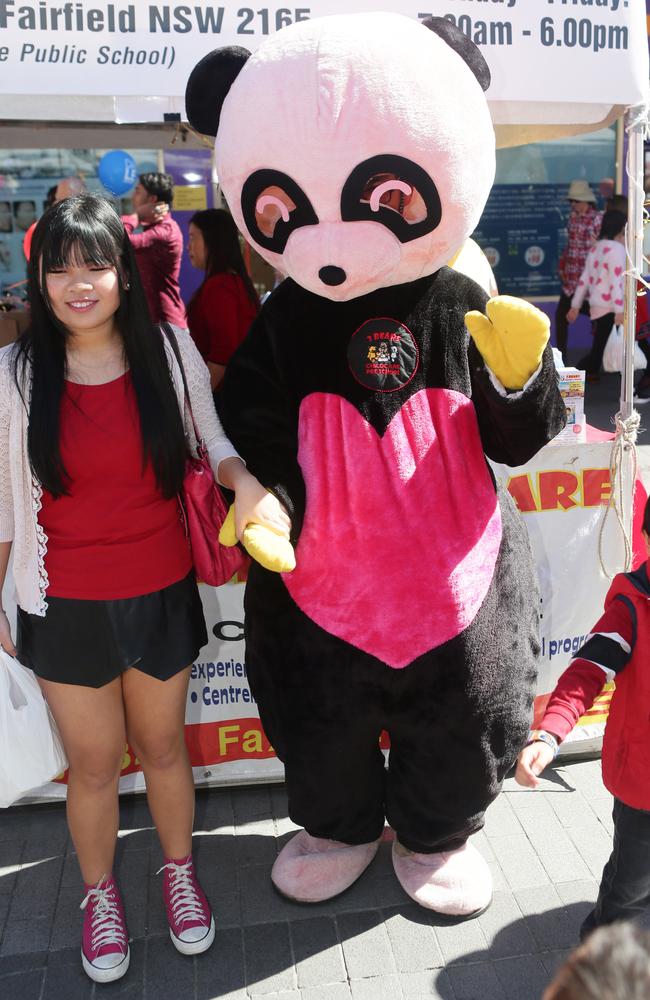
(573, 65)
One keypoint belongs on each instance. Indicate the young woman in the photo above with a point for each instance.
(93, 429)
(225, 305)
(602, 282)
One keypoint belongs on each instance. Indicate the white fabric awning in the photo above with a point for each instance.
(571, 66)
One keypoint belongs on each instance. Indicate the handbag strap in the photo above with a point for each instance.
(168, 331)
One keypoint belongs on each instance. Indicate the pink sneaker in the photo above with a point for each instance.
(105, 943)
(191, 924)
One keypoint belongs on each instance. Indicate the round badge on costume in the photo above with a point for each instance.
(383, 355)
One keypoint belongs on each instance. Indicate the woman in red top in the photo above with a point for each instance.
(222, 310)
(102, 454)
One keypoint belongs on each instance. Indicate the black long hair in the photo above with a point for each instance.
(223, 249)
(613, 223)
(87, 228)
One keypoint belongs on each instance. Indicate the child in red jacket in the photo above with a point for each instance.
(618, 647)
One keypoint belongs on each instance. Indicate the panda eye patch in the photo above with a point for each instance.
(395, 192)
(386, 191)
(273, 206)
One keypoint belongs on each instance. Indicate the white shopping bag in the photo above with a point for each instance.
(31, 751)
(613, 353)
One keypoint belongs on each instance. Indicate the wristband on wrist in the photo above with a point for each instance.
(541, 736)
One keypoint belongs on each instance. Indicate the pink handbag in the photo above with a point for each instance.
(204, 508)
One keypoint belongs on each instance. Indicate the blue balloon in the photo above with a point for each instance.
(117, 171)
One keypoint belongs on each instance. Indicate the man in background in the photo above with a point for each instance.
(66, 188)
(158, 248)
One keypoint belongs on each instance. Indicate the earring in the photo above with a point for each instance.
(127, 286)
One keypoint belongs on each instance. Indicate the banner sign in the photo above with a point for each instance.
(533, 47)
(561, 495)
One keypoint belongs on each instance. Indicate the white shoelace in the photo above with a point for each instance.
(106, 922)
(183, 897)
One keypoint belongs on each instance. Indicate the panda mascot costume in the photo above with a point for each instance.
(356, 153)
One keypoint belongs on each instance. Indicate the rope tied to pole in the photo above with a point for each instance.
(624, 442)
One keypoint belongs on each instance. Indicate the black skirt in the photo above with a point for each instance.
(93, 642)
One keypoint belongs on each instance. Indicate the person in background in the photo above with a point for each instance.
(24, 214)
(583, 227)
(68, 187)
(617, 203)
(224, 306)
(93, 445)
(617, 648)
(602, 283)
(614, 964)
(158, 248)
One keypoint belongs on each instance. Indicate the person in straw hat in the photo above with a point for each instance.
(582, 228)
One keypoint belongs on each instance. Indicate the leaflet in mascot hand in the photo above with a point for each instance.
(356, 153)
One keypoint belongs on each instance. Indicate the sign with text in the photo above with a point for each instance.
(522, 232)
(533, 47)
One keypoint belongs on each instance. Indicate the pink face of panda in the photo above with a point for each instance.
(355, 152)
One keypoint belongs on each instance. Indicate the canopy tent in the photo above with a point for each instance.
(574, 65)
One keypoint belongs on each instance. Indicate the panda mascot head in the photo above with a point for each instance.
(355, 151)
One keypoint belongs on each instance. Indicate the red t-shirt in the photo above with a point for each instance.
(219, 317)
(114, 535)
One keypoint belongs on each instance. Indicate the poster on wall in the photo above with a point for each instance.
(522, 233)
(150, 48)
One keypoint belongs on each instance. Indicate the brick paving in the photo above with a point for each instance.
(546, 850)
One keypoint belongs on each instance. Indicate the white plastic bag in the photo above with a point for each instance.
(31, 751)
(613, 354)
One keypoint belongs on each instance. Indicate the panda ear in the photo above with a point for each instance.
(208, 86)
(464, 46)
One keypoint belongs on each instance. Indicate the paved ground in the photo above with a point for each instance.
(546, 850)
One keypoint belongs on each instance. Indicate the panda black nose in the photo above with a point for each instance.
(331, 275)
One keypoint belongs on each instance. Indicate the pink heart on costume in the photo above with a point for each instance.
(606, 296)
(606, 265)
(600, 281)
(591, 279)
(595, 263)
(618, 302)
(401, 532)
(618, 270)
(606, 250)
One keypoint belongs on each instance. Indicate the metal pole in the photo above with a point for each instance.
(635, 127)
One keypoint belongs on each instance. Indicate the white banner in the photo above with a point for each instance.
(577, 51)
(562, 495)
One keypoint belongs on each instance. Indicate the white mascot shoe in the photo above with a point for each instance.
(310, 869)
(455, 883)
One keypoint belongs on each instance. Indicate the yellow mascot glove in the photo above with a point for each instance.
(511, 338)
(270, 550)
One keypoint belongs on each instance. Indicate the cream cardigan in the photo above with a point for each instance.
(20, 492)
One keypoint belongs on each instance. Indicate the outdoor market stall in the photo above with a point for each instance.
(122, 54)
